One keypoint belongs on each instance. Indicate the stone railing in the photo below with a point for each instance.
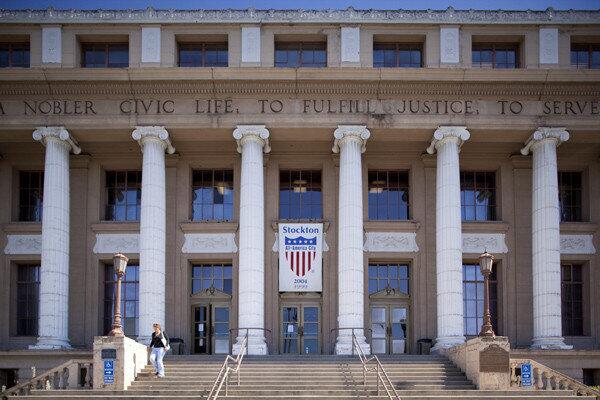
(73, 374)
(545, 378)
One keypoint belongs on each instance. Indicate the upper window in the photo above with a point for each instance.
(104, 55)
(206, 276)
(300, 195)
(585, 56)
(300, 54)
(130, 308)
(123, 195)
(388, 195)
(14, 54)
(572, 299)
(473, 299)
(212, 195)
(388, 276)
(407, 55)
(203, 55)
(495, 55)
(28, 299)
(569, 196)
(31, 188)
(478, 196)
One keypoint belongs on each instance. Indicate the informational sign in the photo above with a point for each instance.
(109, 371)
(300, 257)
(526, 375)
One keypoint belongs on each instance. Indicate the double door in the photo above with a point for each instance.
(300, 329)
(210, 329)
(389, 329)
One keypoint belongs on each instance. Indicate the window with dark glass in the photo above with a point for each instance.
(31, 189)
(212, 195)
(478, 196)
(203, 55)
(569, 196)
(104, 55)
(388, 195)
(495, 55)
(130, 298)
(388, 276)
(28, 299)
(300, 54)
(406, 55)
(206, 276)
(572, 299)
(473, 299)
(123, 195)
(585, 56)
(300, 195)
(14, 54)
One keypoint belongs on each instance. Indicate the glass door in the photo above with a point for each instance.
(300, 329)
(201, 328)
(379, 330)
(398, 331)
(389, 325)
(211, 329)
(220, 322)
(289, 330)
(310, 330)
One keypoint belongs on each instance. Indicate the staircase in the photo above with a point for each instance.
(305, 377)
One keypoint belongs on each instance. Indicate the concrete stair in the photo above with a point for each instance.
(305, 377)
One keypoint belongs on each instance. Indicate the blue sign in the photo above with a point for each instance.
(109, 371)
(526, 375)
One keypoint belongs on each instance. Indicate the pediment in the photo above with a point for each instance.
(388, 293)
(211, 293)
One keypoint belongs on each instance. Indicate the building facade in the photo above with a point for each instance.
(416, 140)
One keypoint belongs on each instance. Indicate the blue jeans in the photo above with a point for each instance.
(156, 359)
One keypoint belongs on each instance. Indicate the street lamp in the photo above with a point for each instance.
(120, 264)
(485, 265)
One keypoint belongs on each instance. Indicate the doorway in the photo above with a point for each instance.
(300, 329)
(210, 329)
(389, 325)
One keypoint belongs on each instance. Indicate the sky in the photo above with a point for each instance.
(306, 4)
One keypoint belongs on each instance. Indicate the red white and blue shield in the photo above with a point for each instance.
(300, 253)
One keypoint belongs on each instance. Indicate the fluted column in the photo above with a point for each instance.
(53, 322)
(545, 225)
(448, 235)
(153, 140)
(350, 142)
(252, 141)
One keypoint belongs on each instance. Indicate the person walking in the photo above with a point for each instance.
(159, 345)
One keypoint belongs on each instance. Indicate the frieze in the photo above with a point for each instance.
(111, 243)
(401, 242)
(209, 243)
(577, 244)
(479, 242)
(23, 244)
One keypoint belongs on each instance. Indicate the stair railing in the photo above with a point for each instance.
(545, 378)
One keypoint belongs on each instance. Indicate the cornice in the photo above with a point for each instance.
(254, 16)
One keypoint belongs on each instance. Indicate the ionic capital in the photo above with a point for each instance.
(345, 133)
(255, 133)
(443, 133)
(59, 133)
(557, 135)
(142, 134)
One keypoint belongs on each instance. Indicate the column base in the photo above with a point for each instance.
(51, 343)
(257, 346)
(550, 343)
(345, 347)
(447, 342)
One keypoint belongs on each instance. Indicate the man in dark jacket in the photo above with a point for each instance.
(159, 345)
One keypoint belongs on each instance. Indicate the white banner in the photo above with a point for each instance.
(300, 257)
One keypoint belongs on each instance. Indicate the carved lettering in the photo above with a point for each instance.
(151, 106)
(215, 106)
(58, 107)
(2, 109)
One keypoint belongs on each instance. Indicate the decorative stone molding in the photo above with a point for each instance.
(449, 45)
(350, 132)
(51, 45)
(384, 242)
(23, 244)
(577, 244)
(350, 44)
(548, 45)
(111, 243)
(275, 248)
(443, 132)
(258, 133)
(250, 44)
(478, 243)
(558, 134)
(143, 133)
(44, 133)
(209, 243)
(150, 44)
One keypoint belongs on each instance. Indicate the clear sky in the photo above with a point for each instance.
(307, 4)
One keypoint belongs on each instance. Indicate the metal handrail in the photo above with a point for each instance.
(226, 369)
(345, 329)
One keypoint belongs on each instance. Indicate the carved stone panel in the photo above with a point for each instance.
(209, 243)
(150, 44)
(111, 243)
(480, 242)
(577, 244)
(23, 244)
(250, 44)
(402, 242)
(350, 44)
(449, 45)
(548, 45)
(494, 359)
(51, 45)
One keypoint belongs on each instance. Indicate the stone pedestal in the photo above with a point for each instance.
(130, 358)
(545, 226)
(53, 328)
(350, 143)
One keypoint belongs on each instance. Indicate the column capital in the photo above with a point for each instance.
(343, 133)
(460, 133)
(45, 133)
(257, 133)
(558, 135)
(158, 133)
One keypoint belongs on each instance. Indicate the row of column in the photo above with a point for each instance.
(350, 143)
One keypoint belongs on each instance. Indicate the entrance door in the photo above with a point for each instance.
(211, 329)
(300, 329)
(389, 325)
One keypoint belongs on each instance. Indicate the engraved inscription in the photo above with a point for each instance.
(494, 359)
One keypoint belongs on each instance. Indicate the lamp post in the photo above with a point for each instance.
(120, 264)
(485, 265)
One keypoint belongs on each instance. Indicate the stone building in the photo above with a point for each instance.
(415, 139)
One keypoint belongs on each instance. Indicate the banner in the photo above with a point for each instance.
(300, 257)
